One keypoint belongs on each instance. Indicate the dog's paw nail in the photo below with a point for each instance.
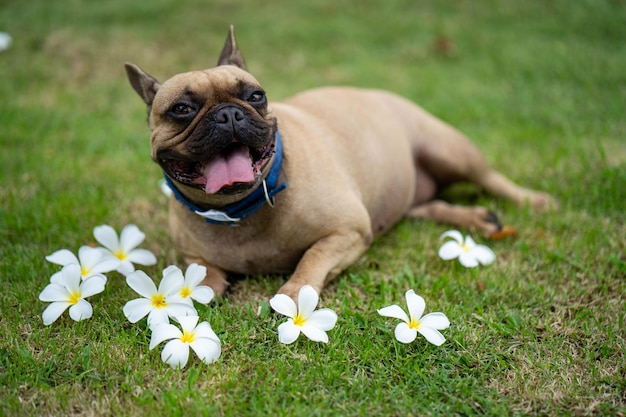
(504, 232)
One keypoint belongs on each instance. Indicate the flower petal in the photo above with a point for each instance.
(394, 311)
(194, 274)
(404, 333)
(142, 257)
(141, 284)
(56, 278)
(284, 305)
(172, 282)
(437, 321)
(169, 269)
(415, 304)
(307, 301)
(93, 285)
(175, 353)
(62, 257)
(54, 292)
(203, 294)
(131, 237)
(468, 260)
(162, 332)
(288, 332)
(483, 254)
(454, 234)
(157, 316)
(109, 260)
(89, 256)
(469, 243)
(126, 267)
(54, 311)
(81, 310)
(323, 319)
(432, 335)
(70, 277)
(187, 323)
(136, 309)
(450, 250)
(204, 330)
(208, 350)
(106, 264)
(97, 260)
(107, 237)
(180, 310)
(314, 333)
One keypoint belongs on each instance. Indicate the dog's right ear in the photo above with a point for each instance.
(230, 52)
(144, 84)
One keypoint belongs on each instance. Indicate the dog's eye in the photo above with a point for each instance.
(181, 109)
(256, 97)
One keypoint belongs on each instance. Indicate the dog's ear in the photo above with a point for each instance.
(230, 53)
(144, 84)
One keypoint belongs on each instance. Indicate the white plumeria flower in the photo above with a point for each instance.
(428, 326)
(123, 249)
(201, 338)
(189, 288)
(165, 189)
(469, 253)
(5, 41)
(303, 318)
(91, 261)
(156, 304)
(69, 291)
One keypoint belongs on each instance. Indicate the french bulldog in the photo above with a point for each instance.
(302, 186)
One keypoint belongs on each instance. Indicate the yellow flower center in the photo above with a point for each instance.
(120, 254)
(415, 324)
(84, 271)
(465, 247)
(74, 297)
(158, 301)
(299, 320)
(185, 292)
(187, 337)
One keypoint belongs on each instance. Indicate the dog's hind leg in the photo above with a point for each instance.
(473, 218)
(444, 156)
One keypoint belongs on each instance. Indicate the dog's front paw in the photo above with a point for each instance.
(290, 289)
(218, 284)
(541, 201)
(215, 278)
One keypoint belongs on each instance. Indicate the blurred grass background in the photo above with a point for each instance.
(539, 86)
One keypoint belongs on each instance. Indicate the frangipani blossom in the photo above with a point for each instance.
(303, 318)
(156, 304)
(165, 189)
(123, 249)
(201, 338)
(469, 253)
(428, 326)
(69, 291)
(90, 260)
(189, 288)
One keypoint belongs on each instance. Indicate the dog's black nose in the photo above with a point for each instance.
(229, 115)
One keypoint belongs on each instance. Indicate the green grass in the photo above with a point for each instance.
(539, 86)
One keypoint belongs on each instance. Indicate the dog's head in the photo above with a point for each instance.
(212, 132)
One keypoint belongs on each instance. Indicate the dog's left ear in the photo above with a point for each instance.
(230, 53)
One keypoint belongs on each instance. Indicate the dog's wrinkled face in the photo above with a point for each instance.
(212, 129)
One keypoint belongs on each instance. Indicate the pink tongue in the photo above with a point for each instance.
(228, 169)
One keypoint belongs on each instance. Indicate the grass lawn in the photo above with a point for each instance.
(540, 87)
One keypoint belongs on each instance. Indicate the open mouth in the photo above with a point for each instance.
(236, 167)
